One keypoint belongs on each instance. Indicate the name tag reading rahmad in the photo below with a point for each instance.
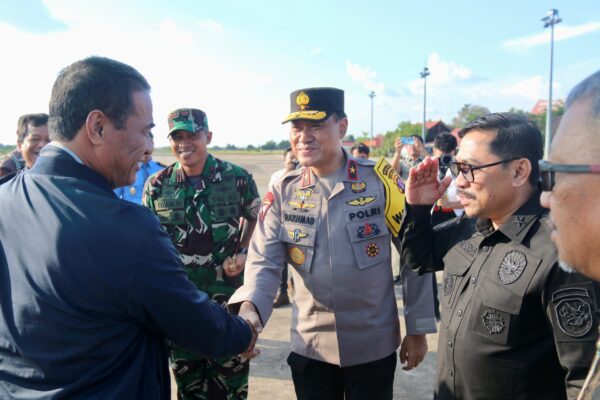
(395, 209)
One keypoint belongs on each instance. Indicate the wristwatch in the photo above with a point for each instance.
(243, 250)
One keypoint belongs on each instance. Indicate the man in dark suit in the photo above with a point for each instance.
(91, 286)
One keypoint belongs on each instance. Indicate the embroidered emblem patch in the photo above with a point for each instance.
(468, 247)
(301, 205)
(574, 317)
(367, 230)
(520, 221)
(493, 322)
(296, 255)
(296, 235)
(372, 250)
(302, 100)
(358, 187)
(266, 203)
(448, 285)
(512, 267)
(304, 194)
(361, 201)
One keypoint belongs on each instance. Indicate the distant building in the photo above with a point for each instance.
(540, 107)
(434, 128)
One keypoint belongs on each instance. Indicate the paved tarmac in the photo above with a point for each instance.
(270, 376)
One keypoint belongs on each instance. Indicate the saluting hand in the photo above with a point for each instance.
(249, 313)
(423, 186)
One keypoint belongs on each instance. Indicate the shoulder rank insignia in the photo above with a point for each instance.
(361, 201)
(512, 267)
(372, 249)
(395, 210)
(352, 170)
(296, 234)
(296, 255)
(358, 187)
(367, 230)
(301, 206)
(266, 204)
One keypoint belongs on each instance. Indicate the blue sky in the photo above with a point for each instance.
(239, 60)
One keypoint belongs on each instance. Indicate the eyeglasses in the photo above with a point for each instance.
(467, 169)
(548, 169)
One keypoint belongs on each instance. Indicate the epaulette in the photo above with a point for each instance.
(366, 162)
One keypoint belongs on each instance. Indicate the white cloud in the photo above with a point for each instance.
(316, 51)
(366, 77)
(211, 26)
(442, 72)
(561, 32)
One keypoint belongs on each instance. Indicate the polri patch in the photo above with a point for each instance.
(367, 230)
(493, 322)
(512, 266)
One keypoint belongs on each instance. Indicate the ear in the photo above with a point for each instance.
(95, 123)
(208, 137)
(521, 170)
(343, 126)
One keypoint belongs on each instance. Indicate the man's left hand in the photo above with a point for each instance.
(412, 351)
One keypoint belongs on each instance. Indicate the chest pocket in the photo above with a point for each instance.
(370, 241)
(224, 199)
(300, 245)
(456, 264)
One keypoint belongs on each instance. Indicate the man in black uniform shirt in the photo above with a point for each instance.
(514, 325)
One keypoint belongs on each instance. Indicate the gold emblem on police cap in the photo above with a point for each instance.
(302, 100)
(296, 255)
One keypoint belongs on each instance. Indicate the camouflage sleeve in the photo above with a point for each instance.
(147, 200)
(250, 198)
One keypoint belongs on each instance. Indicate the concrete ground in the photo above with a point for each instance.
(270, 376)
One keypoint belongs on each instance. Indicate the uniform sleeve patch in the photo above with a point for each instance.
(266, 204)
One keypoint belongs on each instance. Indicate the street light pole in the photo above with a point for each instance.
(549, 21)
(424, 75)
(372, 95)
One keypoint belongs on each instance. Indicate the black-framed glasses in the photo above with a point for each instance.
(548, 170)
(467, 169)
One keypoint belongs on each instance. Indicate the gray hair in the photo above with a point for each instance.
(589, 88)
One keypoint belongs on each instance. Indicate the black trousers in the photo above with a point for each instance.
(317, 380)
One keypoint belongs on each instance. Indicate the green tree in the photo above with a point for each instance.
(350, 138)
(284, 144)
(469, 113)
(270, 145)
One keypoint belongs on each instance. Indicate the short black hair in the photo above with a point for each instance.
(516, 137)
(418, 137)
(94, 83)
(24, 121)
(445, 142)
(588, 88)
(361, 147)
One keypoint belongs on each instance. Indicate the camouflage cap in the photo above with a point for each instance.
(187, 119)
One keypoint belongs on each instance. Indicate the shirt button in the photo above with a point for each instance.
(450, 343)
(450, 373)
(459, 312)
(473, 280)
(485, 248)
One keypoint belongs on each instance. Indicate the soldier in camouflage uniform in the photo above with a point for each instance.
(200, 200)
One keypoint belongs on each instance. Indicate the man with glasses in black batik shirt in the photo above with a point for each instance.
(571, 185)
(514, 324)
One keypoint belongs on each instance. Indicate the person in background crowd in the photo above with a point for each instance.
(571, 190)
(360, 150)
(91, 286)
(200, 201)
(515, 325)
(32, 136)
(133, 193)
(415, 152)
